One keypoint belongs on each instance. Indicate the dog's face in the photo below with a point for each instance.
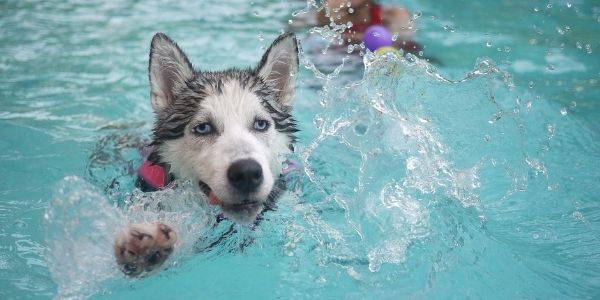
(229, 131)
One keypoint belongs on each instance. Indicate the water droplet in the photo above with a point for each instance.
(417, 14)
(531, 85)
(496, 117)
(578, 45)
(421, 53)
(536, 9)
(487, 138)
(573, 105)
(550, 67)
(551, 128)
(588, 48)
(261, 36)
(256, 13)
(549, 5)
(507, 49)
(350, 10)
(563, 111)
(488, 44)
(290, 21)
(318, 121)
(352, 273)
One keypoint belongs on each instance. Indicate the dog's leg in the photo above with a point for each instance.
(144, 247)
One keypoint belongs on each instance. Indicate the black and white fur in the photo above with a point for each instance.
(227, 130)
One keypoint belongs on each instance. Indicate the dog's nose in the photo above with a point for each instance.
(245, 175)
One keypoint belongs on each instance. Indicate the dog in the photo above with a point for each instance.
(229, 131)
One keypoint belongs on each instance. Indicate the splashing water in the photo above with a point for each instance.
(395, 167)
(81, 227)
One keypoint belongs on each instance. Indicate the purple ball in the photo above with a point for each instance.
(376, 37)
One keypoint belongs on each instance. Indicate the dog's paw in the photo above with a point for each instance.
(143, 247)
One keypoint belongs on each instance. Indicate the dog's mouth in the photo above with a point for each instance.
(212, 198)
(247, 207)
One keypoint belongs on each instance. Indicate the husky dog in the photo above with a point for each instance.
(227, 130)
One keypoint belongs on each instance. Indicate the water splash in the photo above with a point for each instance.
(392, 146)
(81, 226)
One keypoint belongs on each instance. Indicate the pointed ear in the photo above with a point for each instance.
(279, 68)
(169, 69)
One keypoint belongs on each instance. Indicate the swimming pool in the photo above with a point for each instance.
(415, 186)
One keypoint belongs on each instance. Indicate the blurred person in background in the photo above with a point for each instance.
(365, 13)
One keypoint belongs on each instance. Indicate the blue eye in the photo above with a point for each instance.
(203, 129)
(261, 125)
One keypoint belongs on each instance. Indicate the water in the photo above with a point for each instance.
(476, 179)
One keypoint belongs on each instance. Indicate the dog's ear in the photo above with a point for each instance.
(279, 67)
(169, 69)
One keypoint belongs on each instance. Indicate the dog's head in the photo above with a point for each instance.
(229, 130)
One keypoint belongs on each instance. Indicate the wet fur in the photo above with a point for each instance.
(230, 101)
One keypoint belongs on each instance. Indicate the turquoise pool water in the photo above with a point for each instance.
(475, 179)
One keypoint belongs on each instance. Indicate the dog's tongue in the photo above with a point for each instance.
(213, 200)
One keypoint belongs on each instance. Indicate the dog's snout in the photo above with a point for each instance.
(245, 175)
